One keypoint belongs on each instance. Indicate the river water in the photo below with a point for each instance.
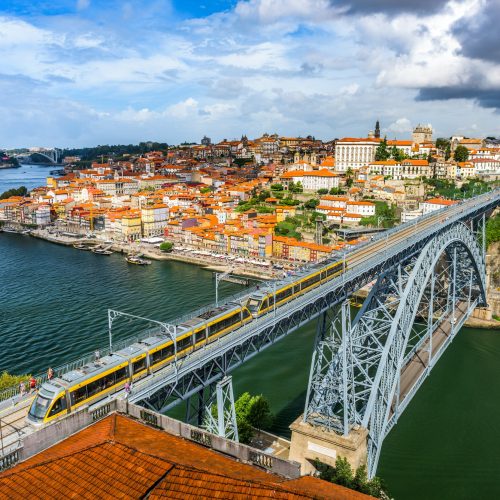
(53, 308)
(30, 176)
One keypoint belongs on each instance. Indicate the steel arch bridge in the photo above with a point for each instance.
(364, 372)
(427, 277)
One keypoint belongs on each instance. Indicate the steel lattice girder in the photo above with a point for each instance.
(160, 396)
(365, 358)
(224, 423)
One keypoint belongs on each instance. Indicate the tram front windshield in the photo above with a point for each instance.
(39, 407)
(253, 304)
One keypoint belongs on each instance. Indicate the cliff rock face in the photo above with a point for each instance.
(484, 317)
(493, 277)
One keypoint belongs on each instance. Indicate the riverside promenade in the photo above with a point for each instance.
(154, 253)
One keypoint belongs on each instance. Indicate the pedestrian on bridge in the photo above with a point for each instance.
(22, 389)
(32, 383)
(128, 389)
(50, 374)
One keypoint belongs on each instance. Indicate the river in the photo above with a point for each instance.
(30, 176)
(53, 308)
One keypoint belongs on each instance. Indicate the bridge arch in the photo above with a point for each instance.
(459, 242)
(364, 373)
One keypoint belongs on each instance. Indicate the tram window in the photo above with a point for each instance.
(271, 301)
(310, 281)
(139, 365)
(121, 374)
(225, 323)
(284, 294)
(264, 305)
(163, 353)
(94, 388)
(184, 343)
(59, 406)
(79, 395)
(335, 269)
(199, 336)
(108, 381)
(253, 304)
(246, 313)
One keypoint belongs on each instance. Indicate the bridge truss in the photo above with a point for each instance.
(431, 282)
(364, 372)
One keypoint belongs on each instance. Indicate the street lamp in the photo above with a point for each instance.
(219, 277)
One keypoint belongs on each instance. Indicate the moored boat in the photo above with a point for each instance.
(139, 261)
(82, 246)
(102, 251)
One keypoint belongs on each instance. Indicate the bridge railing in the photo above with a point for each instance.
(12, 392)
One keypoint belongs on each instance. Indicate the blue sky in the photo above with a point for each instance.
(86, 72)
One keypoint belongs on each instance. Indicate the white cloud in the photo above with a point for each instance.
(402, 126)
(82, 4)
(291, 66)
(183, 109)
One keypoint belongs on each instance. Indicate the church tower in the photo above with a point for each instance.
(377, 130)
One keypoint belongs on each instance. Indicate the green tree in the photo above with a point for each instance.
(277, 187)
(290, 201)
(259, 413)
(8, 380)
(263, 209)
(493, 230)
(21, 191)
(384, 216)
(205, 190)
(343, 475)
(251, 411)
(166, 246)
(343, 472)
(264, 195)
(382, 152)
(334, 191)
(442, 143)
(461, 154)
(311, 204)
(322, 191)
(397, 154)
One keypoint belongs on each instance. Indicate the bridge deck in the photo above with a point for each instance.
(359, 260)
(415, 368)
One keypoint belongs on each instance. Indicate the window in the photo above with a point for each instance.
(139, 365)
(121, 374)
(310, 281)
(184, 343)
(164, 353)
(78, 395)
(199, 336)
(224, 323)
(334, 269)
(39, 407)
(108, 381)
(283, 294)
(59, 406)
(94, 388)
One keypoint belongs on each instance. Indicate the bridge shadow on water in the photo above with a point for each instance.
(289, 413)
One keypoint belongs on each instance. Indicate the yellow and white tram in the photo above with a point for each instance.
(100, 378)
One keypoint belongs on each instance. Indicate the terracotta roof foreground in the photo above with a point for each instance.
(121, 458)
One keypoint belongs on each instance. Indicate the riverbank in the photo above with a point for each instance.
(154, 253)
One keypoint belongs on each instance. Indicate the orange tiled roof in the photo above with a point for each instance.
(119, 457)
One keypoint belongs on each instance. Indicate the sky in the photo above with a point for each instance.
(85, 72)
